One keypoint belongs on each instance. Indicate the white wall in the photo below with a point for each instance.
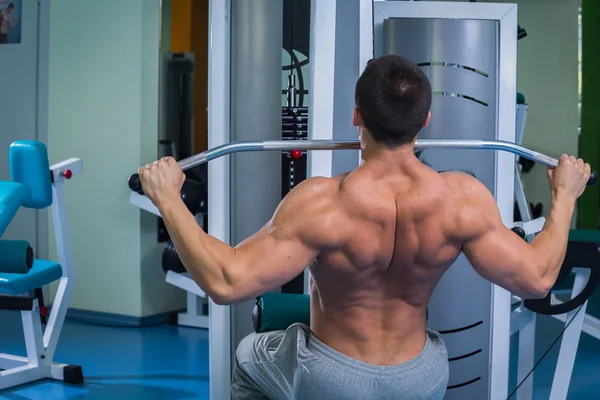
(104, 108)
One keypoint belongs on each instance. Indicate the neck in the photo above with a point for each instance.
(398, 157)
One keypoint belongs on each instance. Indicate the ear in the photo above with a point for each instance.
(356, 118)
(427, 120)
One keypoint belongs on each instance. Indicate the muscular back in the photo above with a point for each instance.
(369, 295)
(378, 240)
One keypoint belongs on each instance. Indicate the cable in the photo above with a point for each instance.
(291, 94)
(291, 24)
(545, 354)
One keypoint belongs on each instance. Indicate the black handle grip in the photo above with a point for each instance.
(593, 179)
(519, 231)
(135, 184)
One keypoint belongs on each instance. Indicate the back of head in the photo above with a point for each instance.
(393, 97)
(11, 6)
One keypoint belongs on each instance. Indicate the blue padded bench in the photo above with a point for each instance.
(36, 185)
(12, 195)
(30, 187)
(42, 273)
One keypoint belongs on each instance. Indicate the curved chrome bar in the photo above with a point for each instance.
(289, 145)
(488, 145)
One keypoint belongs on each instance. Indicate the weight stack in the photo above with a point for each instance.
(171, 260)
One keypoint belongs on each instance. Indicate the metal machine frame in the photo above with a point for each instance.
(219, 183)
(523, 322)
(41, 343)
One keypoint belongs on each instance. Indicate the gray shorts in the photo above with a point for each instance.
(295, 365)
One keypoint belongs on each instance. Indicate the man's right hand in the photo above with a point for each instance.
(569, 178)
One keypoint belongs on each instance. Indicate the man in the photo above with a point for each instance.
(6, 22)
(377, 241)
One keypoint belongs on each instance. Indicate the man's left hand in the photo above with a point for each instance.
(162, 180)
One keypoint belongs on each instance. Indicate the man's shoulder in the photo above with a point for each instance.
(312, 196)
(316, 186)
(312, 211)
(464, 184)
(473, 202)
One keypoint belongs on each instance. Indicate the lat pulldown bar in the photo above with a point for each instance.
(289, 145)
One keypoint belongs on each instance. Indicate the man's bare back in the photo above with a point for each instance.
(369, 298)
(406, 224)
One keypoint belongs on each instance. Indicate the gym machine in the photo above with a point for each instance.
(473, 105)
(574, 286)
(194, 315)
(35, 184)
(269, 315)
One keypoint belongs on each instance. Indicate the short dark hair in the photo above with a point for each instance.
(393, 97)
(10, 6)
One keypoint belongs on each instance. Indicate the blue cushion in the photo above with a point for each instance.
(29, 165)
(42, 273)
(12, 196)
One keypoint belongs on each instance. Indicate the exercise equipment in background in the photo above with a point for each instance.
(37, 185)
(277, 311)
(194, 195)
(572, 313)
(576, 282)
(582, 256)
(16, 256)
(523, 210)
(294, 126)
(171, 260)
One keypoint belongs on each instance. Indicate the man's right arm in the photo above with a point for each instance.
(502, 257)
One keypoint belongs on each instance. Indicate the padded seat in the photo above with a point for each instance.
(42, 273)
(12, 196)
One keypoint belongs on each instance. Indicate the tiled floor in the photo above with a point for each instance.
(171, 363)
(163, 362)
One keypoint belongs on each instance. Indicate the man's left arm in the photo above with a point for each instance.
(301, 228)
